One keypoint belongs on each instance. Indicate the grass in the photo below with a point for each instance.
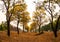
(28, 37)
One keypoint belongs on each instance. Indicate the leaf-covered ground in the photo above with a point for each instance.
(28, 37)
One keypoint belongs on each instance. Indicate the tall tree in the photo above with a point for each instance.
(39, 15)
(7, 4)
(21, 14)
(51, 9)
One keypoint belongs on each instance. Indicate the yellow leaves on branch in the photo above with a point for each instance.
(41, 10)
(20, 7)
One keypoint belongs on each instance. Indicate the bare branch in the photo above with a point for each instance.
(47, 10)
(5, 4)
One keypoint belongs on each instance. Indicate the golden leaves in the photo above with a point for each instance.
(20, 7)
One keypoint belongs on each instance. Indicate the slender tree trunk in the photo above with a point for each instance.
(8, 22)
(40, 23)
(55, 32)
(17, 26)
(52, 23)
(8, 27)
(1, 27)
(53, 28)
(39, 29)
(23, 26)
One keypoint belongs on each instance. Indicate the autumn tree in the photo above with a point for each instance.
(27, 27)
(17, 13)
(39, 15)
(8, 5)
(50, 8)
(33, 26)
(25, 19)
(21, 14)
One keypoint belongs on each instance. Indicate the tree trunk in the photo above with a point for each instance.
(55, 33)
(8, 27)
(39, 28)
(23, 26)
(1, 27)
(8, 24)
(17, 26)
(53, 29)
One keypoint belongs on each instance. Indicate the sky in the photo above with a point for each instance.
(30, 7)
(2, 15)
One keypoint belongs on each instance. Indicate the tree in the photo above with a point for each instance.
(39, 15)
(7, 4)
(17, 12)
(25, 19)
(51, 9)
(27, 27)
(33, 26)
(21, 14)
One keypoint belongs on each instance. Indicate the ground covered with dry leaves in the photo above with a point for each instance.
(28, 37)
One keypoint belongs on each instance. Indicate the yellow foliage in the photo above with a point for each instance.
(20, 7)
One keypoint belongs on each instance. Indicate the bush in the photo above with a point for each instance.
(3, 26)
